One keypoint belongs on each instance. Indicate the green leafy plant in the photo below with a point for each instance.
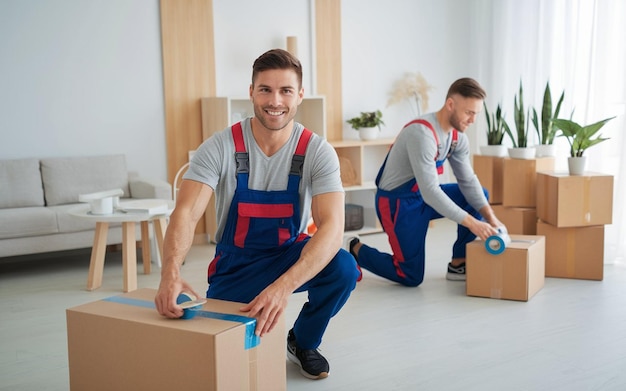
(579, 137)
(496, 126)
(546, 129)
(367, 119)
(520, 117)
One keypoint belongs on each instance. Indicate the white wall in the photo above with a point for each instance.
(240, 37)
(383, 40)
(82, 78)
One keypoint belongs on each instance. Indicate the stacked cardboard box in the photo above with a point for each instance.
(572, 212)
(511, 184)
(488, 169)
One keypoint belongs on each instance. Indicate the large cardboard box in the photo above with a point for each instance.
(122, 343)
(519, 177)
(515, 274)
(574, 252)
(488, 169)
(564, 200)
(521, 221)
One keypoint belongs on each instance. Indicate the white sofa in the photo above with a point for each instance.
(36, 195)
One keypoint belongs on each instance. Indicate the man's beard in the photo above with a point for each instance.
(456, 124)
(261, 116)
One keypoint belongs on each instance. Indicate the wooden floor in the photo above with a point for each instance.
(570, 336)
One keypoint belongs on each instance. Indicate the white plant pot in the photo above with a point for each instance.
(577, 165)
(493, 150)
(545, 150)
(527, 153)
(368, 133)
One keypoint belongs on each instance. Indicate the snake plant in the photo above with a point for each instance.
(546, 130)
(520, 118)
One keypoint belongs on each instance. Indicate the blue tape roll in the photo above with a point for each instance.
(190, 312)
(495, 244)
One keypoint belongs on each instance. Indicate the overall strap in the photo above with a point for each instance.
(455, 141)
(432, 129)
(298, 158)
(242, 160)
(241, 156)
(297, 161)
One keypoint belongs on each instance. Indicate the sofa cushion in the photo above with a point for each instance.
(33, 221)
(65, 178)
(20, 183)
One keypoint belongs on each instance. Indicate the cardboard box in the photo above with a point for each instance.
(488, 169)
(574, 252)
(520, 221)
(519, 177)
(516, 274)
(564, 200)
(122, 343)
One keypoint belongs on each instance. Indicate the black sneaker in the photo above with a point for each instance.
(312, 364)
(456, 273)
(348, 244)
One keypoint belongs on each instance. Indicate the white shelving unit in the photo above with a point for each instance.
(365, 159)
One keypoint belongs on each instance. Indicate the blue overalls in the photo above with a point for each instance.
(405, 217)
(262, 240)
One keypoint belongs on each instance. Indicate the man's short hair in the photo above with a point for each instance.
(277, 59)
(467, 88)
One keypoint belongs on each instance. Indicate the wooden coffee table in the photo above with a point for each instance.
(129, 247)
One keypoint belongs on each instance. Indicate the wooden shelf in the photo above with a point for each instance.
(365, 159)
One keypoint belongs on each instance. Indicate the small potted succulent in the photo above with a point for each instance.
(580, 138)
(367, 124)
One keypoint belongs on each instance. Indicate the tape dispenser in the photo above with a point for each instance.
(496, 244)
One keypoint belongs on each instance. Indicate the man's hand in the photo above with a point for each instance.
(267, 308)
(166, 296)
(479, 228)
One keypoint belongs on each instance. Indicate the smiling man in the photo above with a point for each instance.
(269, 175)
(409, 194)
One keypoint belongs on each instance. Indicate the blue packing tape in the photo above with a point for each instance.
(251, 340)
(495, 244)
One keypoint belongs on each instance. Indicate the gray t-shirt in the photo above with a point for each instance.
(214, 165)
(413, 156)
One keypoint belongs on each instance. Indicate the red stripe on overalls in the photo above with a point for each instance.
(242, 224)
(389, 226)
(283, 233)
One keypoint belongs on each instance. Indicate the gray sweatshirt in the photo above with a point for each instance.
(413, 156)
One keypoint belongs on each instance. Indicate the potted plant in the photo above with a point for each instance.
(580, 138)
(367, 124)
(546, 130)
(496, 127)
(520, 149)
